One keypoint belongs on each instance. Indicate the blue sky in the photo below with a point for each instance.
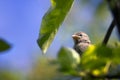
(19, 25)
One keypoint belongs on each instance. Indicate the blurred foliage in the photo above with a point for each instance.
(46, 69)
(4, 45)
(43, 70)
(8, 75)
(97, 61)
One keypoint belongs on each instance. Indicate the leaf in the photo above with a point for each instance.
(95, 59)
(51, 22)
(4, 45)
(116, 52)
(68, 58)
(104, 52)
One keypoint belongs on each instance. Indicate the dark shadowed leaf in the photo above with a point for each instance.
(104, 52)
(4, 45)
(51, 22)
(116, 57)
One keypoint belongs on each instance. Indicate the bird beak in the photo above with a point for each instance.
(75, 37)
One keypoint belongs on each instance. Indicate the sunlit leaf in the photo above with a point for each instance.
(96, 72)
(95, 59)
(102, 70)
(4, 45)
(89, 58)
(68, 58)
(52, 21)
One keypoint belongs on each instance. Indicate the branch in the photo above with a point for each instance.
(106, 77)
(107, 36)
(115, 10)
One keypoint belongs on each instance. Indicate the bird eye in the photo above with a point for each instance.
(80, 35)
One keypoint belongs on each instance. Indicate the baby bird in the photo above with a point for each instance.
(81, 42)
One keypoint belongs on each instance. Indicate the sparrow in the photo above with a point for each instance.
(81, 42)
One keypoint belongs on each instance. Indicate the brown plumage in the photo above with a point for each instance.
(81, 42)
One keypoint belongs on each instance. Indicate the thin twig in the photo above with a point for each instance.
(107, 36)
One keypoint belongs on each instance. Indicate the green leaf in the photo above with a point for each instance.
(116, 57)
(68, 58)
(4, 45)
(51, 22)
(104, 52)
(96, 59)
(89, 58)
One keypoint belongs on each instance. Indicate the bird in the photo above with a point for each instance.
(81, 42)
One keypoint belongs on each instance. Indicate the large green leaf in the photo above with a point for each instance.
(51, 22)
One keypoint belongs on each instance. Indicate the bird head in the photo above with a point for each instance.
(80, 37)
